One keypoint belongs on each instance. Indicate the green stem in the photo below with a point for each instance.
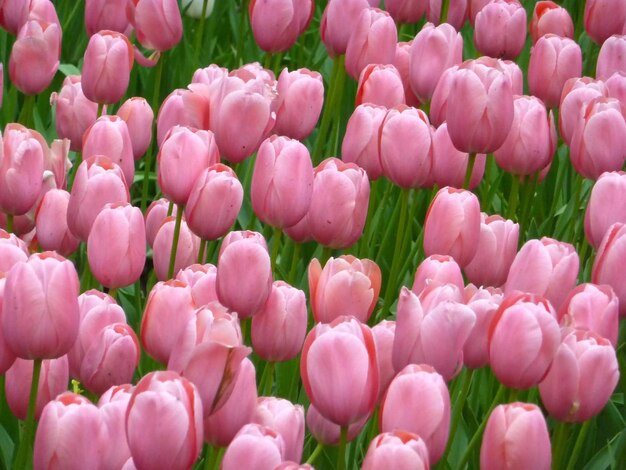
(267, 63)
(10, 223)
(445, 5)
(275, 247)
(513, 197)
(315, 454)
(294, 263)
(339, 92)
(77, 161)
(341, 455)
(471, 159)
(268, 373)
(575, 221)
(29, 425)
(327, 114)
(326, 252)
(580, 440)
(26, 115)
(179, 218)
(100, 108)
(458, 409)
(170, 208)
(113, 293)
(242, 27)
(203, 244)
(559, 443)
(200, 31)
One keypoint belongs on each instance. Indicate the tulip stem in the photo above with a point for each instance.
(326, 253)
(580, 440)
(471, 159)
(179, 218)
(267, 64)
(26, 115)
(100, 109)
(10, 223)
(203, 244)
(559, 443)
(242, 27)
(329, 107)
(315, 454)
(213, 458)
(275, 247)
(268, 379)
(113, 293)
(458, 409)
(513, 197)
(445, 5)
(200, 31)
(27, 438)
(341, 455)
(294, 263)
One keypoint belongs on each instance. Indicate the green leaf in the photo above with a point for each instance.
(69, 69)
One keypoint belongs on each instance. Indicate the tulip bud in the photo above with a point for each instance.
(157, 23)
(384, 333)
(338, 21)
(12, 251)
(186, 250)
(577, 94)
(360, 142)
(51, 223)
(292, 16)
(201, 279)
(401, 62)
(604, 207)
(550, 18)
(397, 449)
(606, 265)
(484, 303)
(138, 115)
(155, 216)
(106, 15)
(113, 405)
(254, 443)
(437, 270)
(604, 18)
(380, 85)
(286, 419)
(172, 113)
(500, 29)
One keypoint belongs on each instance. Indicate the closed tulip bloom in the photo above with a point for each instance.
(457, 12)
(450, 165)
(158, 24)
(21, 169)
(186, 250)
(278, 330)
(603, 208)
(439, 101)
(346, 392)
(577, 94)
(434, 49)
(254, 443)
(479, 108)
(184, 153)
(138, 115)
(209, 74)
(553, 61)
(360, 142)
(474, 6)
(437, 269)
(13, 14)
(523, 339)
(113, 405)
(339, 203)
(201, 279)
(53, 380)
(414, 390)
(550, 18)
(328, 433)
(164, 422)
(609, 258)
(155, 216)
(12, 251)
(98, 181)
(74, 112)
(612, 57)
(582, 377)
(51, 223)
(604, 18)
(512, 430)
(338, 21)
(373, 41)
(384, 333)
(35, 56)
(484, 303)
(244, 276)
(58, 425)
(452, 225)
(406, 11)
(597, 145)
(43, 292)
(168, 310)
(276, 24)
(616, 86)
(107, 64)
(405, 147)
(299, 102)
(497, 247)
(282, 182)
(380, 85)
(399, 449)
(106, 15)
(116, 247)
(500, 29)
(172, 112)
(221, 426)
(218, 192)
(401, 62)
(546, 267)
(346, 286)
(285, 418)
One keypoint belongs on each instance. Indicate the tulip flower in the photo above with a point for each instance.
(276, 24)
(550, 18)
(338, 21)
(285, 418)
(604, 18)
(113, 405)
(155, 216)
(138, 115)
(360, 142)
(380, 85)
(51, 223)
(484, 303)
(12, 251)
(106, 15)
(259, 444)
(437, 270)
(186, 250)
(158, 24)
(384, 333)
(398, 449)
(577, 94)
(500, 29)
(201, 279)
(607, 261)
(603, 209)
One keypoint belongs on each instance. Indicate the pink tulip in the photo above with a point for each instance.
(283, 172)
(418, 401)
(35, 56)
(450, 165)
(58, 425)
(484, 303)
(457, 12)
(155, 216)
(328, 433)
(184, 153)
(113, 405)
(104, 14)
(164, 422)
(173, 112)
(276, 24)
(401, 62)
(604, 18)
(434, 49)
(107, 64)
(51, 223)
(399, 449)
(523, 339)
(138, 115)
(254, 443)
(346, 286)
(244, 276)
(606, 265)
(611, 58)
(497, 247)
(500, 29)
(577, 94)
(168, 310)
(157, 23)
(452, 225)
(582, 377)
(98, 181)
(12, 251)
(546, 267)
(553, 61)
(380, 85)
(42, 291)
(360, 142)
(339, 203)
(511, 430)
(384, 333)
(616, 86)
(53, 380)
(186, 251)
(346, 392)
(285, 418)
(406, 11)
(532, 140)
(550, 18)
(603, 208)
(201, 279)
(339, 19)
(278, 330)
(208, 75)
(373, 41)
(405, 147)
(74, 112)
(21, 169)
(13, 14)
(479, 108)
(116, 247)
(437, 270)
